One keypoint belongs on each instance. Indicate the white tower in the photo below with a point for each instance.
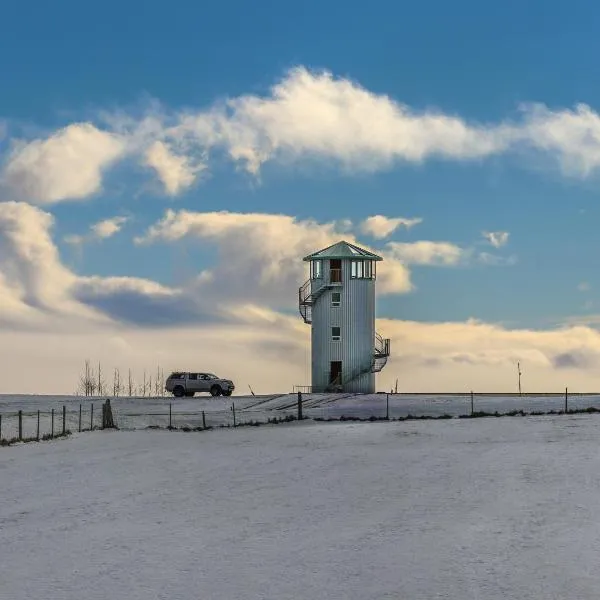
(339, 302)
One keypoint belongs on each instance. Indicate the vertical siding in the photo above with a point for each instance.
(356, 319)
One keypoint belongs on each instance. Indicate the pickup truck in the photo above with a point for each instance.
(187, 384)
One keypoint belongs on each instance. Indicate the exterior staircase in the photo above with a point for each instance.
(381, 353)
(312, 290)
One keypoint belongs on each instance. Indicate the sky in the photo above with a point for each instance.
(165, 167)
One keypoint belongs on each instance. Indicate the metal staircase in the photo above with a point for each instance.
(310, 292)
(381, 353)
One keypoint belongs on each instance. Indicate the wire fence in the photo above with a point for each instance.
(28, 426)
(133, 414)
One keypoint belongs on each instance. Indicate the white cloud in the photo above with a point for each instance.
(67, 165)
(426, 252)
(98, 231)
(307, 116)
(108, 227)
(177, 173)
(496, 238)
(381, 227)
(313, 114)
(571, 136)
(32, 276)
(259, 250)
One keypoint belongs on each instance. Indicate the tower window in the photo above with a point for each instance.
(336, 299)
(316, 269)
(362, 269)
(336, 334)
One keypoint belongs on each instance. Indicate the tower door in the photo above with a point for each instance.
(335, 372)
(335, 270)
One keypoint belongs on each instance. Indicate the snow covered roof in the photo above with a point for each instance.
(342, 250)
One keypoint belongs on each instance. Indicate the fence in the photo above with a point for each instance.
(30, 426)
(201, 413)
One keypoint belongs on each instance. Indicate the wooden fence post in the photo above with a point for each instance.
(472, 404)
(80, 418)
(0, 428)
(107, 416)
(203, 421)
(38, 426)
(233, 410)
(64, 420)
(170, 415)
(387, 407)
(52, 434)
(566, 400)
(92, 418)
(20, 425)
(299, 405)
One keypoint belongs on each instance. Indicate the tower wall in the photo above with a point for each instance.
(356, 318)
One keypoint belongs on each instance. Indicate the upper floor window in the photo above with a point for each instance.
(316, 269)
(362, 269)
(336, 299)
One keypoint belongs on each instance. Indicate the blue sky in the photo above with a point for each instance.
(484, 64)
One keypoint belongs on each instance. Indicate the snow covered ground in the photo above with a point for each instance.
(459, 509)
(139, 413)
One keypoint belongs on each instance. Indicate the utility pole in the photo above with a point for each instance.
(519, 374)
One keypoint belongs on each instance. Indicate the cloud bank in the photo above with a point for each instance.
(309, 116)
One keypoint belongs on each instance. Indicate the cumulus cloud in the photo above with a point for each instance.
(262, 253)
(108, 227)
(484, 355)
(305, 116)
(426, 252)
(98, 231)
(67, 165)
(496, 238)
(381, 227)
(314, 115)
(36, 285)
(177, 173)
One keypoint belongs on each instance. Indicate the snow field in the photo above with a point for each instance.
(139, 413)
(456, 509)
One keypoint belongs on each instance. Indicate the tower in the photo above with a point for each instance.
(338, 301)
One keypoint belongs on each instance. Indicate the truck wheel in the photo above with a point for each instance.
(215, 390)
(178, 391)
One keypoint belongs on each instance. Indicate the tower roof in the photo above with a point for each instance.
(342, 250)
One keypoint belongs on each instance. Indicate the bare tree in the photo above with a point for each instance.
(101, 384)
(117, 382)
(150, 385)
(129, 384)
(87, 382)
(158, 384)
(144, 384)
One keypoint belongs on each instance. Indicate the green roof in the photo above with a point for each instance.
(342, 250)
